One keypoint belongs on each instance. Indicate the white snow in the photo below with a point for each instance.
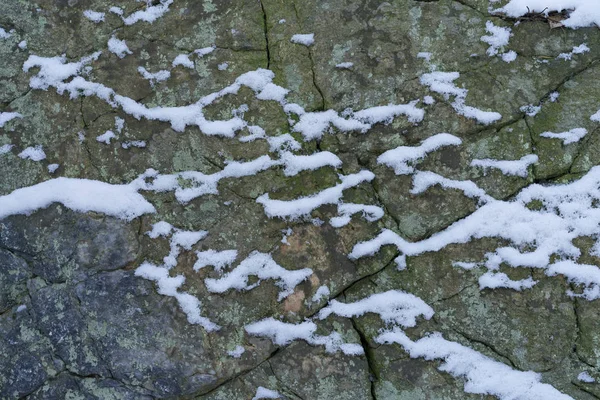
(428, 100)
(8, 116)
(183, 60)
(217, 259)
(584, 12)
(482, 374)
(424, 55)
(402, 157)
(346, 210)
(119, 124)
(494, 280)
(312, 125)
(386, 114)
(204, 51)
(530, 110)
(6, 148)
(94, 16)
(553, 96)
(22, 45)
(181, 240)
(585, 377)
(509, 56)
(256, 132)
(161, 228)
(263, 267)
(344, 65)
(223, 66)
(282, 334)
(586, 275)
(150, 14)
(4, 34)
(33, 153)
(118, 47)
(237, 352)
(168, 286)
(273, 92)
(297, 163)
(508, 167)
(322, 292)
(393, 307)
(442, 82)
(571, 136)
(306, 39)
(116, 10)
(154, 77)
(286, 233)
(264, 393)
(294, 209)
(106, 137)
(285, 142)
(83, 195)
(464, 265)
(582, 48)
(52, 168)
(424, 180)
(498, 37)
(205, 184)
(54, 70)
(567, 212)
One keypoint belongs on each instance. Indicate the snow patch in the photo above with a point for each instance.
(508, 167)
(498, 37)
(494, 280)
(118, 47)
(106, 137)
(442, 82)
(482, 374)
(283, 333)
(94, 16)
(346, 210)
(264, 393)
(237, 352)
(217, 259)
(263, 267)
(33, 153)
(294, 209)
(402, 157)
(572, 136)
(154, 77)
(304, 39)
(424, 180)
(8, 116)
(168, 286)
(82, 195)
(582, 13)
(150, 14)
(394, 307)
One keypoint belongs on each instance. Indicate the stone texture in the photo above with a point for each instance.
(75, 322)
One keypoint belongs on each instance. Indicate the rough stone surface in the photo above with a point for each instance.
(77, 323)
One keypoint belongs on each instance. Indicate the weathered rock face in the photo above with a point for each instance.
(87, 309)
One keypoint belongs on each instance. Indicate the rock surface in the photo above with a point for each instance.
(77, 321)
